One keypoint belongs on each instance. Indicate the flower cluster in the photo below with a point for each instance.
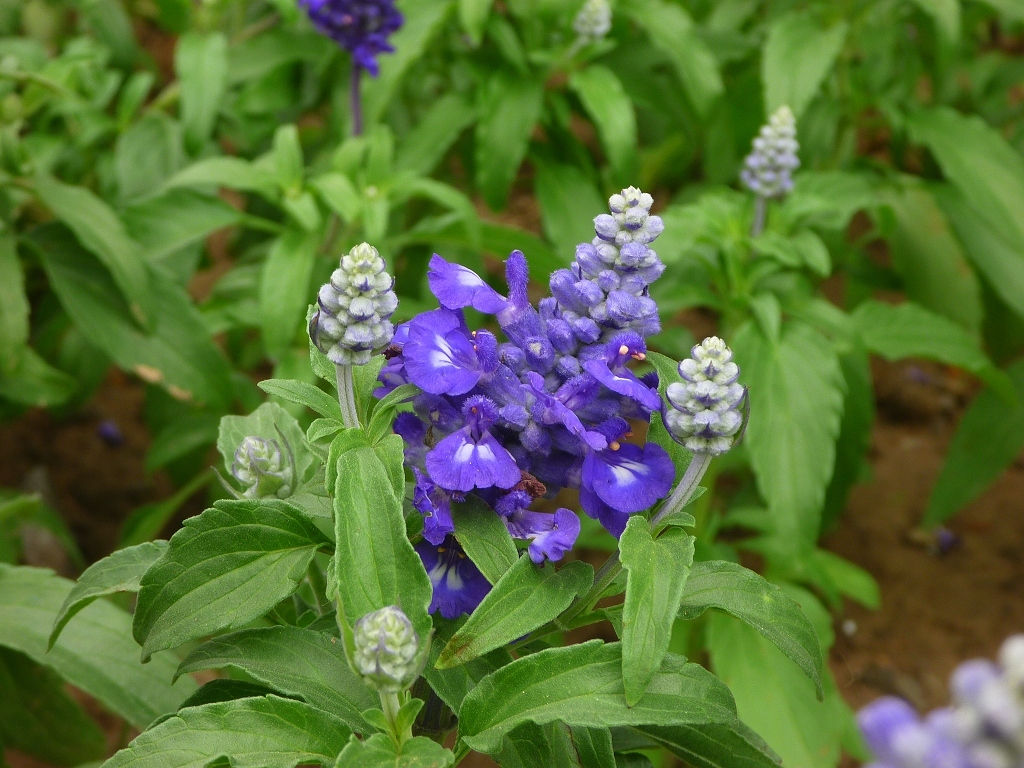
(515, 419)
(705, 414)
(263, 469)
(593, 21)
(983, 727)
(354, 308)
(768, 169)
(361, 27)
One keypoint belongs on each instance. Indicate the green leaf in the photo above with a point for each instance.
(928, 258)
(611, 109)
(262, 732)
(996, 258)
(34, 382)
(980, 162)
(270, 421)
(165, 224)
(581, 685)
(426, 144)
(775, 698)
(750, 598)
(524, 598)
(302, 393)
(379, 751)
(39, 718)
(988, 439)
(485, 538)
(798, 55)
(294, 662)
(285, 289)
(374, 563)
(673, 33)
(532, 745)
(714, 745)
(473, 16)
(339, 194)
(796, 403)
(854, 432)
(146, 154)
(224, 568)
(119, 572)
(945, 14)
(228, 172)
(658, 569)
(895, 331)
(201, 62)
(423, 22)
(567, 199)
(100, 231)
(813, 252)
(452, 685)
(509, 109)
(96, 654)
(286, 153)
(13, 305)
(109, 22)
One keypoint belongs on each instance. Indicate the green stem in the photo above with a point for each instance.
(760, 210)
(391, 703)
(461, 751)
(684, 491)
(347, 397)
(318, 584)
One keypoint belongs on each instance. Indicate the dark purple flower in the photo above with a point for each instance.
(625, 478)
(435, 504)
(456, 287)
(551, 536)
(457, 583)
(361, 27)
(439, 355)
(471, 457)
(110, 433)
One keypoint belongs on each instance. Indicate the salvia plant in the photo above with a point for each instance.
(983, 725)
(397, 583)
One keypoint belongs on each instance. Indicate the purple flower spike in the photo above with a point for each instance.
(883, 721)
(458, 584)
(471, 457)
(439, 356)
(456, 287)
(629, 478)
(361, 27)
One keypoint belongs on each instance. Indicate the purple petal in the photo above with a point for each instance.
(439, 357)
(623, 383)
(456, 287)
(550, 410)
(551, 535)
(613, 520)
(458, 463)
(458, 585)
(630, 478)
(436, 507)
(882, 721)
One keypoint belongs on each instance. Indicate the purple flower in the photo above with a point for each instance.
(471, 457)
(435, 504)
(456, 287)
(551, 536)
(439, 355)
(361, 27)
(458, 585)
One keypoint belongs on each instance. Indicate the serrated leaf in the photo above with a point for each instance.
(100, 231)
(798, 54)
(582, 686)
(796, 404)
(201, 62)
(485, 538)
(374, 563)
(39, 718)
(979, 161)
(222, 569)
(452, 685)
(750, 598)
(379, 751)
(990, 436)
(611, 109)
(510, 108)
(264, 732)
(895, 331)
(120, 571)
(524, 598)
(96, 654)
(658, 570)
(672, 32)
(294, 662)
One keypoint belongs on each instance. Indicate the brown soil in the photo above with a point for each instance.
(937, 609)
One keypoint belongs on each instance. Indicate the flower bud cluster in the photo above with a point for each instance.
(386, 649)
(263, 469)
(982, 728)
(593, 21)
(361, 27)
(705, 406)
(767, 170)
(353, 319)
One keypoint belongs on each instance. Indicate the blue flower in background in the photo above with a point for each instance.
(361, 27)
(458, 584)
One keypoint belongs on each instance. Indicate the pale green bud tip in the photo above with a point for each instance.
(263, 469)
(352, 320)
(386, 647)
(705, 414)
(594, 20)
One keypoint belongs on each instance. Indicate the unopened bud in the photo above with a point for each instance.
(386, 650)
(705, 406)
(768, 169)
(263, 469)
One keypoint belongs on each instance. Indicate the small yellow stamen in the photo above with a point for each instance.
(623, 349)
(614, 445)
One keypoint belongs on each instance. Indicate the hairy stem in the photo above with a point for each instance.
(347, 397)
(681, 495)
